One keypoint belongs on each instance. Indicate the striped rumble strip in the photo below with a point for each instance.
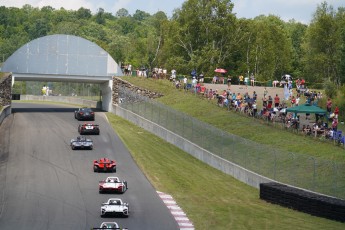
(181, 218)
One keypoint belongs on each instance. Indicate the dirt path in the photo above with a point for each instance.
(272, 91)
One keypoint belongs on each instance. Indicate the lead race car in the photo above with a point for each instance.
(115, 207)
(81, 143)
(104, 165)
(112, 184)
(88, 128)
(86, 114)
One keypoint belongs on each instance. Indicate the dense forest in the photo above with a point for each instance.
(201, 35)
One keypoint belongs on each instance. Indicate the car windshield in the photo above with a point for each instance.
(115, 202)
(86, 110)
(109, 225)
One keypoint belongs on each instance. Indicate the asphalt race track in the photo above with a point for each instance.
(46, 185)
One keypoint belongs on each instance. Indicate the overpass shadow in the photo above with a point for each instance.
(48, 110)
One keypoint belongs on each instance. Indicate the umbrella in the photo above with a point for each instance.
(286, 77)
(218, 70)
(306, 108)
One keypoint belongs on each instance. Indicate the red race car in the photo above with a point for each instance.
(104, 165)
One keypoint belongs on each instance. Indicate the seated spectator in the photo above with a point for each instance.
(255, 110)
(304, 129)
(308, 130)
(329, 133)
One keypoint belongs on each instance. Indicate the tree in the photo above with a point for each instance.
(297, 32)
(122, 13)
(270, 52)
(39, 28)
(100, 16)
(322, 46)
(204, 32)
(83, 13)
(340, 20)
(140, 15)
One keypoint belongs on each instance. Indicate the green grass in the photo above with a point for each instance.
(211, 199)
(232, 122)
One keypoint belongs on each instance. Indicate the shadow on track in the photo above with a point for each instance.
(47, 110)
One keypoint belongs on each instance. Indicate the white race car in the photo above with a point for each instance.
(109, 225)
(115, 206)
(112, 184)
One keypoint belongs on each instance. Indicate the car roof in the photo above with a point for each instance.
(113, 177)
(115, 199)
(111, 224)
(104, 159)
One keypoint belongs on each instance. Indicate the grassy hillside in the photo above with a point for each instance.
(235, 123)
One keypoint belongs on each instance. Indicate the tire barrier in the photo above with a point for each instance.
(303, 201)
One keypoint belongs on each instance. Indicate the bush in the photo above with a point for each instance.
(330, 89)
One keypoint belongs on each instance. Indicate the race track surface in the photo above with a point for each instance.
(46, 185)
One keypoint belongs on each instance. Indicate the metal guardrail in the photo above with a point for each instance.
(299, 170)
(6, 110)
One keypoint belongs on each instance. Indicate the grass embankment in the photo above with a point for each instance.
(211, 199)
(240, 125)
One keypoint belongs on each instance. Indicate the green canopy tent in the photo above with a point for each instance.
(306, 108)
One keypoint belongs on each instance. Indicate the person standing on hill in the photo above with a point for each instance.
(252, 80)
(241, 79)
(270, 102)
(293, 101)
(298, 99)
(229, 81)
(329, 105)
(336, 112)
(265, 92)
(276, 101)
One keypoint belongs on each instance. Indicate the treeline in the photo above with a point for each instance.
(201, 35)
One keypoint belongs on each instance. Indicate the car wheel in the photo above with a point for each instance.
(91, 147)
(95, 169)
(114, 169)
(73, 148)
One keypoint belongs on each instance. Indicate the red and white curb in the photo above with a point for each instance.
(181, 218)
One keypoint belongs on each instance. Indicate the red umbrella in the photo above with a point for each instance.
(218, 70)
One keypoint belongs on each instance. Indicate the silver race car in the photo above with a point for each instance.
(110, 225)
(112, 185)
(114, 207)
(81, 143)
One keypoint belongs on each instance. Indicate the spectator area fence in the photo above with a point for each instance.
(303, 171)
